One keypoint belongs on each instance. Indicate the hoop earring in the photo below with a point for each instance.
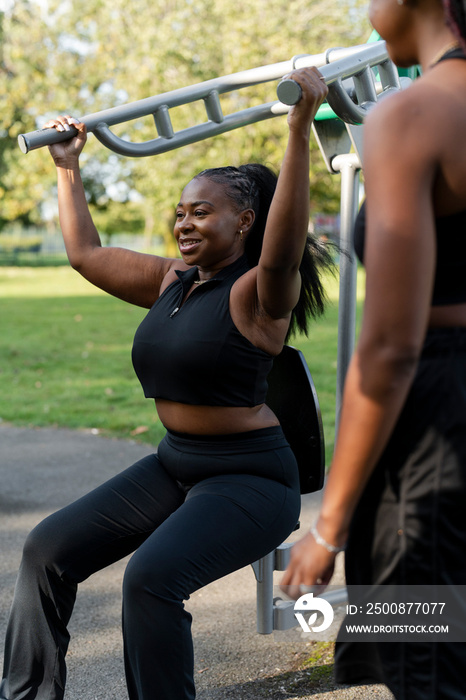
(241, 234)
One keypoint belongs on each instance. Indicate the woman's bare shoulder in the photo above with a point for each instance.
(427, 108)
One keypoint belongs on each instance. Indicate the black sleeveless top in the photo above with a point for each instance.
(450, 271)
(450, 268)
(193, 353)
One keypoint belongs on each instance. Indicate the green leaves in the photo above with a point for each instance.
(79, 58)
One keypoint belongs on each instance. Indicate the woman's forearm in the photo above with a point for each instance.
(288, 220)
(376, 388)
(278, 277)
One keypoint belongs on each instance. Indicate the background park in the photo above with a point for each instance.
(64, 346)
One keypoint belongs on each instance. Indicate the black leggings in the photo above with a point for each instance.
(198, 510)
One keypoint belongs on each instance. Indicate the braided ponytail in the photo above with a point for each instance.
(264, 182)
(252, 186)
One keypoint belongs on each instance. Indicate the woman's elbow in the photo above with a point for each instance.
(80, 257)
(286, 267)
(386, 365)
(76, 261)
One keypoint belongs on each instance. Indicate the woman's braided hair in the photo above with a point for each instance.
(252, 186)
(455, 11)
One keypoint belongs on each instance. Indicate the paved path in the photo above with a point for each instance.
(42, 470)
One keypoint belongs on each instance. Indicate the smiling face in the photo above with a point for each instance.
(207, 226)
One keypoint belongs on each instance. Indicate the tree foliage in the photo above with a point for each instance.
(68, 57)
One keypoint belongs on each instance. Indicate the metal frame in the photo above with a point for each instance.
(352, 89)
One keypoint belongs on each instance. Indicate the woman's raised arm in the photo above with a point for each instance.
(278, 279)
(128, 275)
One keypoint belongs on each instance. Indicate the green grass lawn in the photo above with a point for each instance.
(65, 356)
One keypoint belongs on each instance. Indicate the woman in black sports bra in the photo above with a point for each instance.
(223, 489)
(396, 492)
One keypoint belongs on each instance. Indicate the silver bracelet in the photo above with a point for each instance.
(320, 540)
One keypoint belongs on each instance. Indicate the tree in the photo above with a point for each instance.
(75, 58)
(19, 193)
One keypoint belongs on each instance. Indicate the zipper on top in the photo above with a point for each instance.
(185, 286)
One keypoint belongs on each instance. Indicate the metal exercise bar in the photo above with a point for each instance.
(336, 64)
(350, 102)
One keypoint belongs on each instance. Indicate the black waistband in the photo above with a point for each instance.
(440, 341)
(272, 431)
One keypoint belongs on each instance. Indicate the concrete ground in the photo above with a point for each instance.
(42, 470)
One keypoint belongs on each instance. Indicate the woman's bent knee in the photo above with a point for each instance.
(158, 578)
(43, 546)
(139, 579)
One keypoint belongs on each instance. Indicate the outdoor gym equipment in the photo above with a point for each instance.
(349, 101)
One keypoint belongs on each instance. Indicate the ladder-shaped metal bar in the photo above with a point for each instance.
(350, 100)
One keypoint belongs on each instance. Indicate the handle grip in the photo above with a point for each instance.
(44, 137)
(289, 91)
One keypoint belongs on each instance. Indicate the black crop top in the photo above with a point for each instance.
(193, 353)
(450, 269)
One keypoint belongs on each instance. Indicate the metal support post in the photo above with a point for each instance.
(349, 166)
(263, 570)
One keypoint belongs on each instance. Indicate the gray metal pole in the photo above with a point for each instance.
(263, 569)
(349, 167)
